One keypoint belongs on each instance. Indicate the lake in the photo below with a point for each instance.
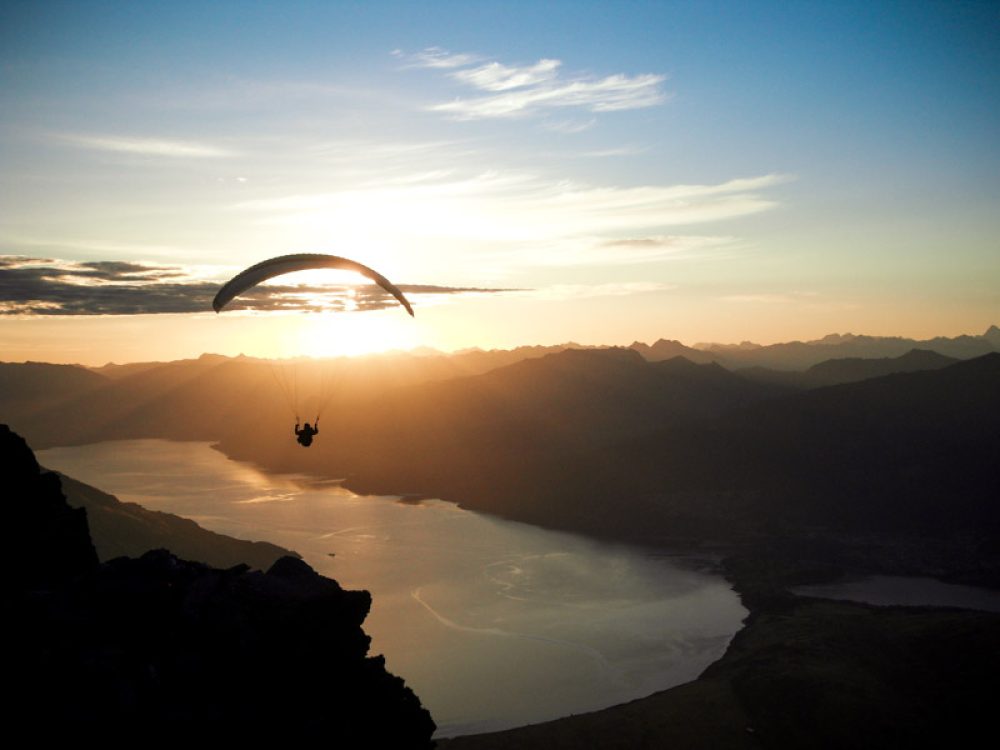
(493, 623)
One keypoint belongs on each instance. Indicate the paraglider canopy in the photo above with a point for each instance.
(286, 375)
(268, 269)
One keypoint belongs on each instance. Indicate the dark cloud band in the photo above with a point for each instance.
(38, 286)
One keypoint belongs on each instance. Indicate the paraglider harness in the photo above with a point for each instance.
(305, 435)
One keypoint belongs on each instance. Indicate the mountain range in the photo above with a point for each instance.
(797, 355)
(599, 440)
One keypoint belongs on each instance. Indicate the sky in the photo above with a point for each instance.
(527, 173)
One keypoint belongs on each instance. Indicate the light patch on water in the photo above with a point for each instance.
(275, 498)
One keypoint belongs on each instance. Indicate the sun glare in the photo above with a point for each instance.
(351, 334)
(342, 329)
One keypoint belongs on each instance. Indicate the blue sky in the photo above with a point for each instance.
(698, 171)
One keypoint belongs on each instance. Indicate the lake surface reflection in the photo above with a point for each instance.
(493, 623)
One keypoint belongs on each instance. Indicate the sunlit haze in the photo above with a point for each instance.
(528, 174)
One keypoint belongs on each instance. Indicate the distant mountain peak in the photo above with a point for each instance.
(668, 349)
(924, 355)
(742, 346)
(852, 369)
(610, 352)
(836, 338)
(993, 336)
(679, 361)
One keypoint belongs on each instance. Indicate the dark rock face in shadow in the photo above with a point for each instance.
(48, 542)
(162, 649)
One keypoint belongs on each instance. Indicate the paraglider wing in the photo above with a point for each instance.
(268, 269)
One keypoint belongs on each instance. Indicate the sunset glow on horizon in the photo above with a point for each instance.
(690, 171)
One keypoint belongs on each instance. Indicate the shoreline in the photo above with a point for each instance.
(806, 651)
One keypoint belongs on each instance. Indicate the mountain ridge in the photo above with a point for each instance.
(121, 529)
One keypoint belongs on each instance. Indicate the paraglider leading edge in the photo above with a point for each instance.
(268, 269)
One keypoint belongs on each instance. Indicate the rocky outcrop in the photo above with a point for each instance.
(47, 541)
(164, 650)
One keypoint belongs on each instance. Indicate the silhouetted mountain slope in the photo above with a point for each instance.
(214, 397)
(798, 355)
(128, 530)
(29, 386)
(607, 444)
(178, 651)
(31, 380)
(993, 336)
(958, 402)
(525, 403)
(454, 436)
(836, 371)
(180, 399)
(206, 398)
(902, 451)
(791, 379)
(477, 361)
(668, 349)
(714, 386)
(591, 396)
(849, 370)
(114, 371)
(603, 441)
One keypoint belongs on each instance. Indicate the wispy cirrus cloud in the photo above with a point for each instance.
(525, 90)
(156, 147)
(497, 77)
(435, 57)
(45, 286)
(609, 94)
(517, 210)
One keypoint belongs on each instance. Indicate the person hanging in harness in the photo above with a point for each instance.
(306, 434)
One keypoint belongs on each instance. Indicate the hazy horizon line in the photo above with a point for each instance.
(428, 351)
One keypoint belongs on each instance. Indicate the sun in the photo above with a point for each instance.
(338, 334)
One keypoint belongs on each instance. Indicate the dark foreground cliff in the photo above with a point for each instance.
(161, 649)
